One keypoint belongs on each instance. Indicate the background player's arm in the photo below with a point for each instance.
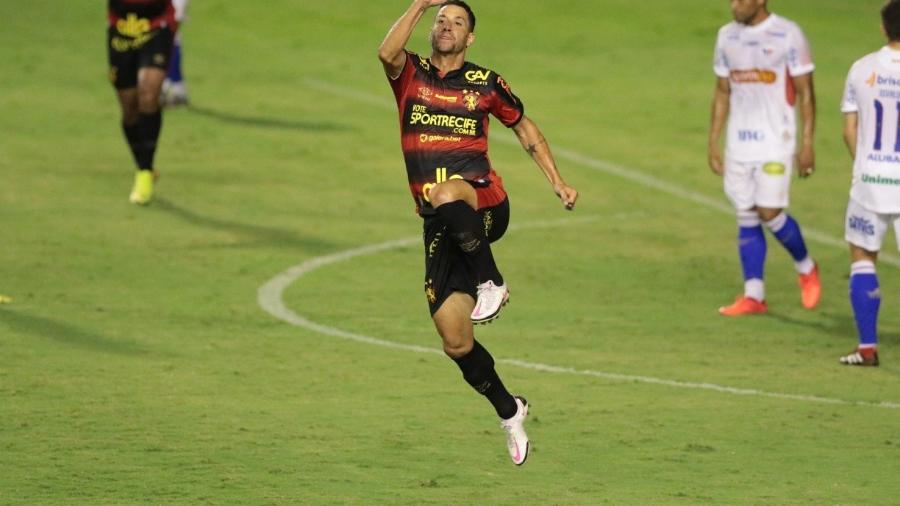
(536, 145)
(720, 105)
(851, 124)
(806, 101)
(392, 51)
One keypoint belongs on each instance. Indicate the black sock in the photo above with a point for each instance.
(477, 367)
(148, 127)
(467, 229)
(131, 136)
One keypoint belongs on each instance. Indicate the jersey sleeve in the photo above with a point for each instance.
(401, 83)
(848, 102)
(720, 59)
(799, 55)
(505, 105)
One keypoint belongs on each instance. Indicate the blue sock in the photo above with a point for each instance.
(752, 249)
(787, 231)
(174, 73)
(865, 298)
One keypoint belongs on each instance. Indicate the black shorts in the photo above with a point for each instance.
(446, 266)
(128, 54)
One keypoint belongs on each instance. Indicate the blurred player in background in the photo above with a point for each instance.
(871, 108)
(764, 67)
(445, 103)
(174, 90)
(139, 44)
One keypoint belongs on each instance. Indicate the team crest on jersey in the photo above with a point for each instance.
(470, 98)
(425, 94)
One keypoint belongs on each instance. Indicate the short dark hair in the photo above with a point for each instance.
(890, 18)
(468, 9)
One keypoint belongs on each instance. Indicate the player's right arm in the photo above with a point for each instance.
(720, 103)
(392, 52)
(851, 125)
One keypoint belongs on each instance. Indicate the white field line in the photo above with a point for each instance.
(631, 174)
(270, 299)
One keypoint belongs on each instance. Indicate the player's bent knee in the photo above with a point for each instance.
(457, 349)
(450, 191)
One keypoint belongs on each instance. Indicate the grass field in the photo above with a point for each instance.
(141, 363)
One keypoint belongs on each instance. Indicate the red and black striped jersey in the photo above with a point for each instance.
(157, 13)
(444, 126)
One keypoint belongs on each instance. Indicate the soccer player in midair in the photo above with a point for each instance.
(764, 67)
(444, 103)
(871, 107)
(139, 44)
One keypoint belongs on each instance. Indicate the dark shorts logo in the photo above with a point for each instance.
(861, 225)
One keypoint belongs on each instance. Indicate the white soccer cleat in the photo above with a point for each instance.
(516, 439)
(173, 94)
(490, 299)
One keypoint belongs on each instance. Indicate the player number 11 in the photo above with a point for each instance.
(879, 119)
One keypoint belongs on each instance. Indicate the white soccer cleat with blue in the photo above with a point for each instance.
(516, 439)
(490, 299)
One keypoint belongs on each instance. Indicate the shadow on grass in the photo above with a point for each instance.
(262, 122)
(258, 234)
(66, 333)
(840, 325)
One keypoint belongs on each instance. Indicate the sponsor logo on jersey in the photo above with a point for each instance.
(861, 224)
(880, 180)
(458, 124)
(753, 76)
(446, 98)
(751, 136)
(774, 169)
(477, 76)
(876, 79)
(426, 138)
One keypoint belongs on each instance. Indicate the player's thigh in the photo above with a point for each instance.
(773, 182)
(496, 220)
(446, 269)
(865, 229)
(739, 184)
(122, 60)
(453, 322)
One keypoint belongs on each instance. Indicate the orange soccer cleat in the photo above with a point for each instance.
(744, 305)
(810, 288)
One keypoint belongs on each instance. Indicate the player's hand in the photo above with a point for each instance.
(715, 160)
(567, 195)
(806, 162)
(430, 3)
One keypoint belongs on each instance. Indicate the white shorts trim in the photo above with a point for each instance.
(866, 229)
(759, 184)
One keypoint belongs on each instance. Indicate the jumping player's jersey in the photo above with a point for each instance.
(873, 92)
(759, 62)
(133, 17)
(444, 127)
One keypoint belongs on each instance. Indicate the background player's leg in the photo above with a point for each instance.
(752, 252)
(866, 301)
(128, 100)
(149, 121)
(786, 229)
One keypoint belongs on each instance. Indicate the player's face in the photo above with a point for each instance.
(745, 11)
(451, 32)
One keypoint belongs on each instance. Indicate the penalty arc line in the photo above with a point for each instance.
(606, 167)
(270, 298)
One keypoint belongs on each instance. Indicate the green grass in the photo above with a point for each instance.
(137, 367)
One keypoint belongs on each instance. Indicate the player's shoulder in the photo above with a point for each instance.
(730, 30)
(782, 25)
(865, 63)
(421, 62)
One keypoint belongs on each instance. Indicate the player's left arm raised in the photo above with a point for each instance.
(806, 101)
(535, 144)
